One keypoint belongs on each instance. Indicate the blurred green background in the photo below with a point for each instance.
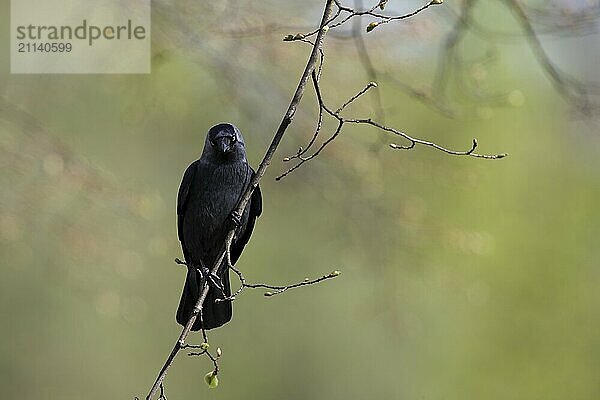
(461, 278)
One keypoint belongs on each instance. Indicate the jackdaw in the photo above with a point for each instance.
(210, 190)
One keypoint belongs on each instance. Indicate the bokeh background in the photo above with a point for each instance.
(461, 278)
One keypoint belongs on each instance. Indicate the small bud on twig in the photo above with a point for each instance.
(211, 379)
(204, 346)
(372, 26)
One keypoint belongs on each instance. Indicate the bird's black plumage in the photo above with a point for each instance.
(209, 192)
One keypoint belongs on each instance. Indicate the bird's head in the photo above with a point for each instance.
(225, 142)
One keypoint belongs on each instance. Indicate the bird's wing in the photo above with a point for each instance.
(182, 200)
(255, 210)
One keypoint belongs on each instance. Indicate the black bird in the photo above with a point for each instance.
(209, 192)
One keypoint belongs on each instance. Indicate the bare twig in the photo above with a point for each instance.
(277, 288)
(302, 159)
(281, 289)
(356, 96)
(245, 284)
(346, 13)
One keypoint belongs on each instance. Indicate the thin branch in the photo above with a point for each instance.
(356, 96)
(343, 120)
(319, 70)
(350, 13)
(388, 19)
(414, 141)
(244, 284)
(277, 288)
(281, 289)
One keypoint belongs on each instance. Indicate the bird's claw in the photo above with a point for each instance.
(204, 272)
(216, 281)
(235, 220)
(211, 277)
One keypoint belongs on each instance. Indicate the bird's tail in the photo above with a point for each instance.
(214, 314)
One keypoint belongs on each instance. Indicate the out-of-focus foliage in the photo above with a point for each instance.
(462, 278)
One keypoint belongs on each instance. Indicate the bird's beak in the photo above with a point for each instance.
(223, 144)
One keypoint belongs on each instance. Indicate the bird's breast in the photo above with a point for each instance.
(213, 197)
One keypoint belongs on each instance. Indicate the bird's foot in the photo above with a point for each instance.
(193, 266)
(234, 220)
(211, 277)
(204, 272)
(216, 281)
